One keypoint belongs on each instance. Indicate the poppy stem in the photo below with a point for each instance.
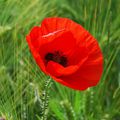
(46, 99)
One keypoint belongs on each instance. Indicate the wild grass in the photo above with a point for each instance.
(23, 95)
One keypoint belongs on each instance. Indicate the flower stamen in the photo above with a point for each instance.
(56, 57)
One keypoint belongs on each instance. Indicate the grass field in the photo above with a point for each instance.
(25, 92)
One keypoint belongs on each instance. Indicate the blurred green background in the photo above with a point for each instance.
(25, 92)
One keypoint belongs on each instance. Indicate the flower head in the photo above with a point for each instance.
(67, 52)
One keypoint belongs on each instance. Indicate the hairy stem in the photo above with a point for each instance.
(46, 99)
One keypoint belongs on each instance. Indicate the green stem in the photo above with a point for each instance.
(46, 98)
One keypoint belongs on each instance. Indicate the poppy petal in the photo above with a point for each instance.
(91, 73)
(35, 33)
(50, 25)
(82, 79)
(35, 54)
(88, 74)
(77, 55)
(58, 70)
(72, 82)
(58, 44)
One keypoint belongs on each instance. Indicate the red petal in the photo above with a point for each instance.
(35, 54)
(63, 43)
(85, 77)
(35, 33)
(95, 53)
(72, 82)
(53, 24)
(78, 54)
(58, 70)
(92, 73)
(50, 25)
(34, 37)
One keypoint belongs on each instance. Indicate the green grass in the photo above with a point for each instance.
(24, 93)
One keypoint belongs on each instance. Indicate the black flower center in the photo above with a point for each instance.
(56, 57)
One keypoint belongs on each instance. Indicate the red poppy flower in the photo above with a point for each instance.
(67, 52)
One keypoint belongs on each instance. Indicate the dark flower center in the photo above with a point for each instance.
(56, 57)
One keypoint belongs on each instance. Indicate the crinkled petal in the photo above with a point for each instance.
(54, 24)
(85, 77)
(58, 44)
(72, 82)
(35, 54)
(58, 70)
